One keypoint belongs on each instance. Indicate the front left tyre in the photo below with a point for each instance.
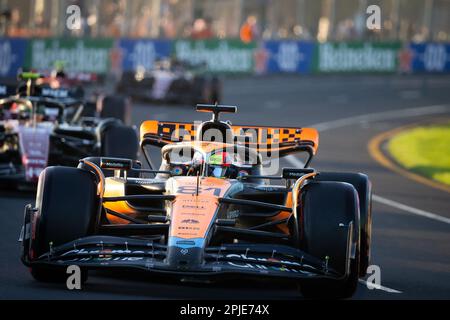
(66, 209)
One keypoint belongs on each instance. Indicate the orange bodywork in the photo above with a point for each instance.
(267, 138)
(114, 188)
(191, 213)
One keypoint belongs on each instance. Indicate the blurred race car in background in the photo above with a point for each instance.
(59, 84)
(44, 125)
(172, 81)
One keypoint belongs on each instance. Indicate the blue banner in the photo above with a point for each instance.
(289, 56)
(12, 56)
(143, 53)
(430, 57)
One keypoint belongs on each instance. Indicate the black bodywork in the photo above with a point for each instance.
(143, 243)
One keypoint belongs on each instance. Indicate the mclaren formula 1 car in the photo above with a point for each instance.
(208, 211)
(41, 126)
(171, 81)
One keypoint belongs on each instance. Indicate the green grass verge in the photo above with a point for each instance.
(424, 150)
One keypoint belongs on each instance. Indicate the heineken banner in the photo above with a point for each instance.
(288, 56)
(357, 57)
(78, 55)
(143, 53)
(101, 56)
(12, 56)
(428, 57)
(229, 56)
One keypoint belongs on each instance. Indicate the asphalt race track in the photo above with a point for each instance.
(413, 251)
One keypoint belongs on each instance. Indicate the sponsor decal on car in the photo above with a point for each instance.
(190, 221)
(261, 259)
(260, 267)
(55, 93)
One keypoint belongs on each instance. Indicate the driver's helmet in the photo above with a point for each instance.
(219, 165)
(58, 71)
(196, 164)
(21, 111)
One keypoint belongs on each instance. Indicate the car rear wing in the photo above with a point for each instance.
(266, 139)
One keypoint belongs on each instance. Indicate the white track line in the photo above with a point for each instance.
(404, 207)
(379, 116)
(386, 115)
(400, 206)
(370, 285)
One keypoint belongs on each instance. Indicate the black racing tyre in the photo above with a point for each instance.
(117, 107)
(364, 188)
(215, 90)
(180, 91)
(67, 206)
(127, 80)
(200, 91)
(78, 92)
(89, 109)
(325, 205)
(119, 141)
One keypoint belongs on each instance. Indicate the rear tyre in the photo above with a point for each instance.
(117, 107)
(119, 141)
(325, 206)
(364, 188)
(216, 90)
(67, 206)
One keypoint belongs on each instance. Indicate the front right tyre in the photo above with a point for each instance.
(325, 206)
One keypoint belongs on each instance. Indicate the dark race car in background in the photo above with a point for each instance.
(61, 85)
(43, 125)
(172, 81)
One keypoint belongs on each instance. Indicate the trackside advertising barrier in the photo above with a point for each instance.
(220, 56)
(78, 55)
(288, 56)
(356, 57)
(143, 53)
(12, 56)
(224, 56)
(430, 57)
